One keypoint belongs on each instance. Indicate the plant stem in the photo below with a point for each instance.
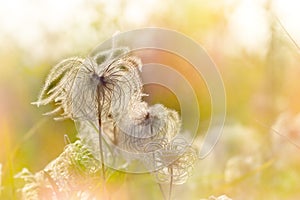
(100, 132)
(162, 191)
(287, 33)
(115, 141)
(106, 195)
(171, 182)
(101, 149)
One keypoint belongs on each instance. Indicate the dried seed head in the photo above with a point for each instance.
(58, 87)
(87, 89)
(222, 197)
(107, 89)
(135, 136)
(173, 162)
(72, 175)
(143, 124)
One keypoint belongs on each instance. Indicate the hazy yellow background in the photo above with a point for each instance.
(259, 63)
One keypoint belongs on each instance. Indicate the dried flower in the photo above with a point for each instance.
(287, 129)
(59, 85)
(174, 162)
(103, 90)
(94, 89)
(83, 88)
(285, 138)
(103, 95)
(130, 138)
(222, 197)
(72, 175)
(144, 124)
(32, 186)
(240, 166)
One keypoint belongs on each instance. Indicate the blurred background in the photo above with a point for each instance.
(254, 43)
